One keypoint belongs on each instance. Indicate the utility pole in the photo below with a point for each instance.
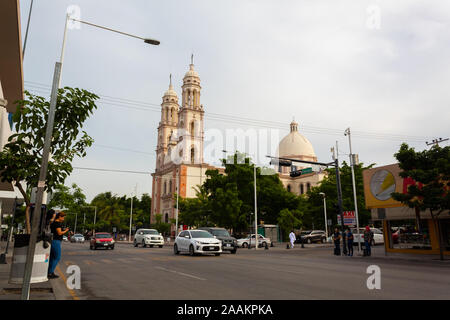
(256, 211)
(339, 194)
(76, 218)
(131, 212)
(352, 163)
(178, 195)
(436, 141)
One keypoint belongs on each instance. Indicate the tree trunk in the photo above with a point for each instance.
(27, 202)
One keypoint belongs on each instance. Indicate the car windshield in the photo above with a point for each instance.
(305, 232)
(103, 235)
(201, 234)
(78, 235)
(220, 233)
(150, 232)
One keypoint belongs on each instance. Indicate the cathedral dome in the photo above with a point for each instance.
(295, 144)
(171, 92)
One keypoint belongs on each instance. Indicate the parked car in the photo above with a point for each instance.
(229, 243)
(262, 241)
(378, 237)
(77, 238)
(65, 238)
(310, 236)
(197, 242)
(149, 237)
(102, 240)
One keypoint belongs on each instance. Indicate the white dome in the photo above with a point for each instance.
(171, 92)
(295, 144)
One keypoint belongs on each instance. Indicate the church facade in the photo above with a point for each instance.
(180, 165)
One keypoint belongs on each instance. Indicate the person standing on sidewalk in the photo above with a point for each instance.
(337, 242)
(292, 238)
(368, 238)
(55, 252)
(350, 242)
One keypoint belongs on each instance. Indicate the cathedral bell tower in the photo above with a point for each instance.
(190, 122)
(167, 126)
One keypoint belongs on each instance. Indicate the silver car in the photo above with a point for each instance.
(77, 238)
(262, 241)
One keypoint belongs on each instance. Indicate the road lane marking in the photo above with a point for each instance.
(179, 273)
(63, 277)
(89, 262)
(107, 261)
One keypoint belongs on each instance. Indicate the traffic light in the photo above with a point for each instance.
(281, 163)
(296, 173)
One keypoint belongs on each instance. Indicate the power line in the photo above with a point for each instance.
(145, 106)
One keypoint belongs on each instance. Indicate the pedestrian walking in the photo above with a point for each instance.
(55, 251)
(337, 242)
(350, 242)
(292, 238)
(368, 239)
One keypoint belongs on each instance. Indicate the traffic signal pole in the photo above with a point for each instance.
(287, 162)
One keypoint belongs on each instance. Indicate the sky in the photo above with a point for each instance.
(378, 67)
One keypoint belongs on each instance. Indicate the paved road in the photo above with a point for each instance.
(311, 273)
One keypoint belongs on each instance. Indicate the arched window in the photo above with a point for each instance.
(165, 187)
(170, 186)
(308, 186)
(302, 189)
(192, 128)
(166, 218)
(289, 188)
(192, 155)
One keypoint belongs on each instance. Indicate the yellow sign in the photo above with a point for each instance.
(379, 184)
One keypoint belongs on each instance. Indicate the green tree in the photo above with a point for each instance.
(289, 220)
(430, 169)
(21, 157)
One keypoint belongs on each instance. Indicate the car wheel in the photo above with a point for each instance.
(143, 244)
(175, 249)
(90, 247)
(135, 243)
(151, 246)
(160, 246)
(244, 245)
(264, 244)
(217, 254)
(191, 250)
(373, 243)
(309, 240)
(322, 240)
(112, 248)
(234, 251)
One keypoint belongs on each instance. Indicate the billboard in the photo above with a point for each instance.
(380, 183)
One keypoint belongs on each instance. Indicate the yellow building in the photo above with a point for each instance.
(405, 230)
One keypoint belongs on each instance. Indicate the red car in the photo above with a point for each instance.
(102, 240)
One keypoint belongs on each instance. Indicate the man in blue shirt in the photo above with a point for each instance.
(350, 242)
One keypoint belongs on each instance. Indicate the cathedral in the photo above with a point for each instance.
(180, 166)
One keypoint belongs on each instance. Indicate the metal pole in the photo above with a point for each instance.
(178, 195)
(354, 187)
(41, 185)
(131, 218)
(325, 211)
(76, 218)
(84, 220)
(339, 191)
(95, 219)
(63, 46)
(26, 33)
(256, 211)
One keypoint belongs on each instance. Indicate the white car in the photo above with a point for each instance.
(149, 237)
(197, 242)
(245, 242)
(378, 237)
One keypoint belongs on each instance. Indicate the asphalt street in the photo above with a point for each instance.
(309, 273)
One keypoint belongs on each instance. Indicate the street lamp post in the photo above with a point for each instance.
(95, 216)
(325, 212)
(352, 163)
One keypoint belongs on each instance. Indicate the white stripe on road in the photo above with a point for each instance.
(180, 273)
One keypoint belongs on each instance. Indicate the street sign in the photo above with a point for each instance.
(307, 170)
(114, 229)
(330, 222)
(349, 218)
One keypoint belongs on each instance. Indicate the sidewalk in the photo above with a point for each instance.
(49, 290)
